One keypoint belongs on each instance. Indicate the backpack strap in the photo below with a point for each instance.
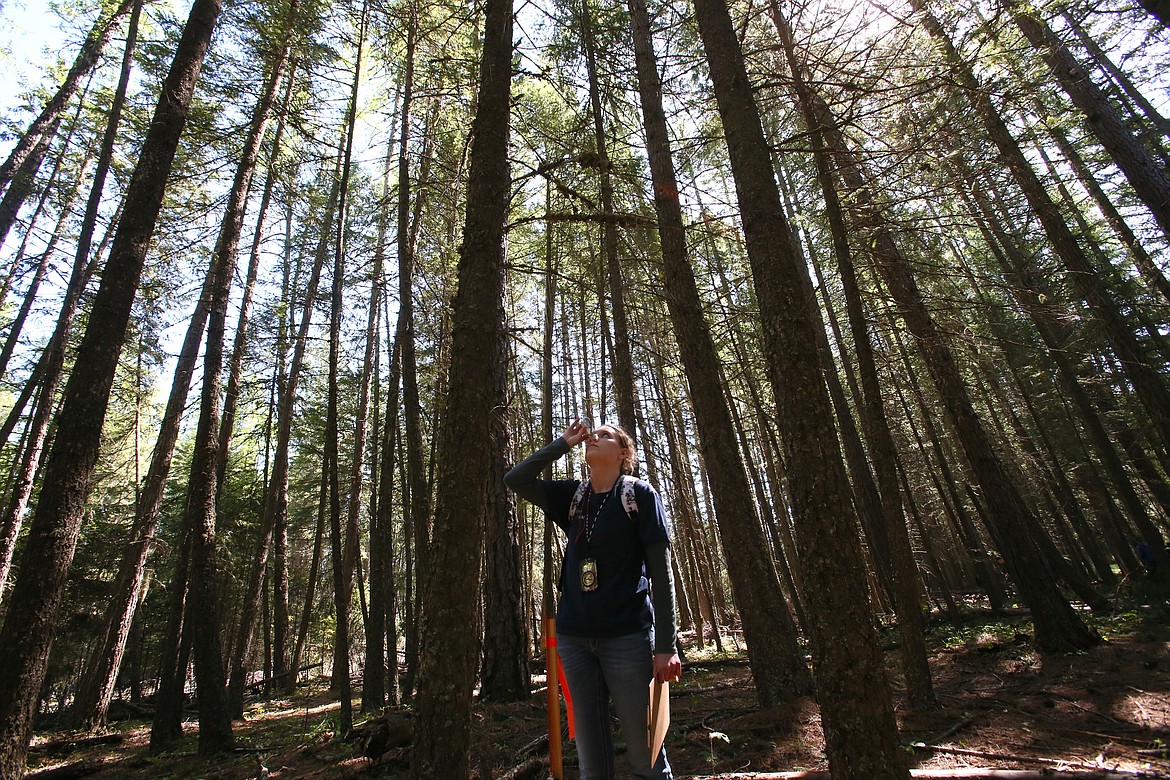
(576, 505)
(629, 499)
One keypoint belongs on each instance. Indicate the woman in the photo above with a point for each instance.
(611, 639)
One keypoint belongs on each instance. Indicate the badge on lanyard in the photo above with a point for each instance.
(588, 575)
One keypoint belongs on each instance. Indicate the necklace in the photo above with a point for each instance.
(593, 520)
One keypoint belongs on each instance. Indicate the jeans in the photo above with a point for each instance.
(598, 670)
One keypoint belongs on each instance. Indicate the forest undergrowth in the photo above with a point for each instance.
(1002, 706)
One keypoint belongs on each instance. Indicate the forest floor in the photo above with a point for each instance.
(1002, 707)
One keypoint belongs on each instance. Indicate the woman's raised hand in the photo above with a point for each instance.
(576, 432)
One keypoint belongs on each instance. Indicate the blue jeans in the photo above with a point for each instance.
(598, 670)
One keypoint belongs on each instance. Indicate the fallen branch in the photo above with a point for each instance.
(532, 769)
(538, 745)
(962, 724)
(1060, 762)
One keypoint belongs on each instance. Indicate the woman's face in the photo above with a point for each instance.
(603, 447)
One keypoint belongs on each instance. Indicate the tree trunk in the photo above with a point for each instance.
(374, 669)
(24, 181)
(167, 725)
(314, 576)
(17, 325)
(448, 656)
(860, 732)
(231, 394)
(46, 377)
(505, 675)
(342, 578)
(1036, 300)
(203, 607)
(622, 365)
(777, 662)
(94, 694)
(285, 667)
(871, 408)
(28, 629)
(1150, 272)
(276, 495)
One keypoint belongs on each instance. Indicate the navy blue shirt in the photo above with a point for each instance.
(617, 543)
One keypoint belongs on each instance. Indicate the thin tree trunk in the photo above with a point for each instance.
(418, 484)
(43, 126)
(167, 726)
(49, 366)
(17, 325)
(314, 576)
(871, 408)
(276, 496)
(34, 380)
(24, 181)
(342, 580)
(93, 698)
(1146, 175)
(231, 394)
(1148, 384)
(505, 675)
(374, 669)
(1150, 272)
(1035, 299)
(280, 584)
(623, 370)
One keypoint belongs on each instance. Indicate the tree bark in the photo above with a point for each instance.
(777, 662)
(860, 731)
(448, 656)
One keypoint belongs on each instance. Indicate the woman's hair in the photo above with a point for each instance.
(630, 460)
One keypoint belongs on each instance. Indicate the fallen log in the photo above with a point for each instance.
(969, 773)
(281, 676)
(68, 771)
(63, 746)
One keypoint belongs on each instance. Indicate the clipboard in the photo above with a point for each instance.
(657, 717)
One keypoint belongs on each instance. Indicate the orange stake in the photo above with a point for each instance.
(555, 767)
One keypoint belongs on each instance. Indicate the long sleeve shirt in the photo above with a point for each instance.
(626, 552)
